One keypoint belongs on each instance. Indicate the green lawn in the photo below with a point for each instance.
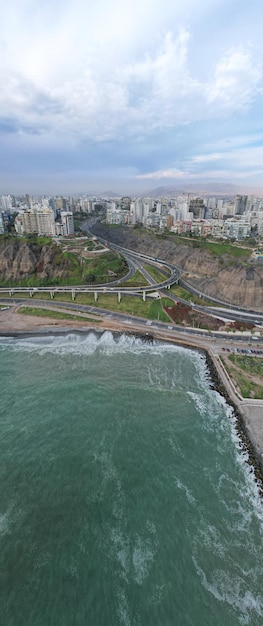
(137, 280)
(38, 312)
(151, 309)
(155, 273)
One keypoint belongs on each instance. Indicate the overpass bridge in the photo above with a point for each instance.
(108, 288)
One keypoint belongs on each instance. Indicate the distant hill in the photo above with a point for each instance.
(198, 188)
(202, 188)
(111, 194)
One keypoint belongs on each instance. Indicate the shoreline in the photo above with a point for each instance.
(247, 414)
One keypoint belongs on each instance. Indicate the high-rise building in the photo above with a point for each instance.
(197, 207)
(36, 221)
(126, 203)
(240, 204)
(67, 222)
(6, 203)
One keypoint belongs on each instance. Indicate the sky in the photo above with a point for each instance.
(129, 95)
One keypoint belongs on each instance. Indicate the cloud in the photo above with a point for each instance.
(68, 83)
(237, 80)
(139, 83)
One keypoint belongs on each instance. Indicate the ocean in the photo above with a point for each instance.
(126, 496)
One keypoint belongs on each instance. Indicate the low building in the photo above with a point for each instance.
(236, 229)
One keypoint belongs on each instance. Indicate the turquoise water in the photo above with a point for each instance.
(126, 498)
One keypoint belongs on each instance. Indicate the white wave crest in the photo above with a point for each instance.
(88, 343)
(189, 496)
(4, 523)
(229, 589)
(199, 402)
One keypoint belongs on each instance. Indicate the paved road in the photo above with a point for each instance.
(123, 318)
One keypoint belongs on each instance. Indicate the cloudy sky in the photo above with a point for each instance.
(130, 94)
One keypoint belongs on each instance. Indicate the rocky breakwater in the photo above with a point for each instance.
(254, 458)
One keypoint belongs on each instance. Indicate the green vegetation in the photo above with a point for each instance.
(188, 296)
(216, 248)
(246, 373)
(16, 295)
(37, 312)
(90, 245)
(73, 270)
(156, 311)
(32, 239)
(150, 309)
(137, 280)
(155, 273)
(103, 268)
(249, 364)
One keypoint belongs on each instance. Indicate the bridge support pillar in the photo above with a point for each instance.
(51, 294)
(144, 296)
(119, 296)
(11, 293)
(73, 295)
(96, 296)
(31, 293)
(168, 286)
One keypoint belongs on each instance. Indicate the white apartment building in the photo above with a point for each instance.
(45, 222)
(117, 216)
(152, 220)
(217, 229)
(38, 221)
(6, 203)
(236, 229)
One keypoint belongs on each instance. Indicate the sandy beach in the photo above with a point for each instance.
(249, 412)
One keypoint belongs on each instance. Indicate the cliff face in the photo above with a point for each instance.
(20, 260)
(232, 280)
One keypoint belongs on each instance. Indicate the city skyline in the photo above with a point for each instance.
(130, 96)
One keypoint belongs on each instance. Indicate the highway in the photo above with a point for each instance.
(226, 311)
(131, 320)
(135, 261)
